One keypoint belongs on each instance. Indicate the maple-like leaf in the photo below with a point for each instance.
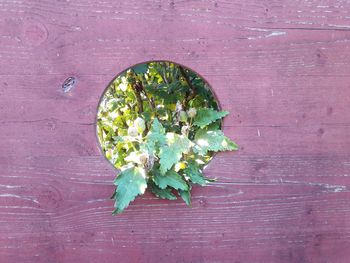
(157, 127)
(206, 116)
(171, 178)
(130, 183)
(159, 123)
(186, 196)
(172, 152)
(162, 193)
(207, 140)
(194, 173)
(156, 135)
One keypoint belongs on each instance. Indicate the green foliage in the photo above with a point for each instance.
(172, 152)
(159, 123)
(194, 173)
(186, 196)
(156, 136)
(140, 69)
(170, 179)
(212, 140)
(131, 182)
(162, 193)
(206, 116)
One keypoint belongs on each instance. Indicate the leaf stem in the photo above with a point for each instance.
(192, 92)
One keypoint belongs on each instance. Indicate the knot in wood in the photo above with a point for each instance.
(68, 84)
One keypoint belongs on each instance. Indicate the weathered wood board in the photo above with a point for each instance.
(282, 68)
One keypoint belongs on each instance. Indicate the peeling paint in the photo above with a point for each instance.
(276, 34)
(339, 26)
(335, 188)
(271, 33)
(20, 197)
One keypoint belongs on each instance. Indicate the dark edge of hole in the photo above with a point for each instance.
(146, 62)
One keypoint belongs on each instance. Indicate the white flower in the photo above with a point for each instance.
(132, 157)
(139, 124)
(132, 131)
(192, 112)
(123, 86)
(141, 158)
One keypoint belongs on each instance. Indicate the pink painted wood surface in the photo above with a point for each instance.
(280, 67)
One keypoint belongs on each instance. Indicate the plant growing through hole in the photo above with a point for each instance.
(159, 123)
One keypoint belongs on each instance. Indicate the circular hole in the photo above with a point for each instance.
(160, 118)
(161, 89)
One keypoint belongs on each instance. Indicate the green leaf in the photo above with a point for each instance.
(193, 172)
(206, 116)
(171, 147)
(186, 196)
(156, 135)
(212, 141)
(162, 193)
(172, 152)
(157, 127)
(146, 115)
(130, 183)
(141, 68)
(171, 178)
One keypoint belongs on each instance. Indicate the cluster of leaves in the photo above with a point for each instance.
(159, 124)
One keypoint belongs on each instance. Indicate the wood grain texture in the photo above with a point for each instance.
(280, 67)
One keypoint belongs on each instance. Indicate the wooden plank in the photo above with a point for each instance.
(280, 67)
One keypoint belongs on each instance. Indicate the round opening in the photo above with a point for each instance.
(160, 120)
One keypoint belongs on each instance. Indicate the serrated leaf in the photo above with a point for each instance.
(194, 174)
(212, 141)
(186, 196)
(171, 178)
(162, 193)
(169, 140)
(172, 152)
(113, 195)
(206, 116)
(156, 135)
(130, 183)
(157, 127)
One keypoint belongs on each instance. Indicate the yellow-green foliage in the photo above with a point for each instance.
(159, 124)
